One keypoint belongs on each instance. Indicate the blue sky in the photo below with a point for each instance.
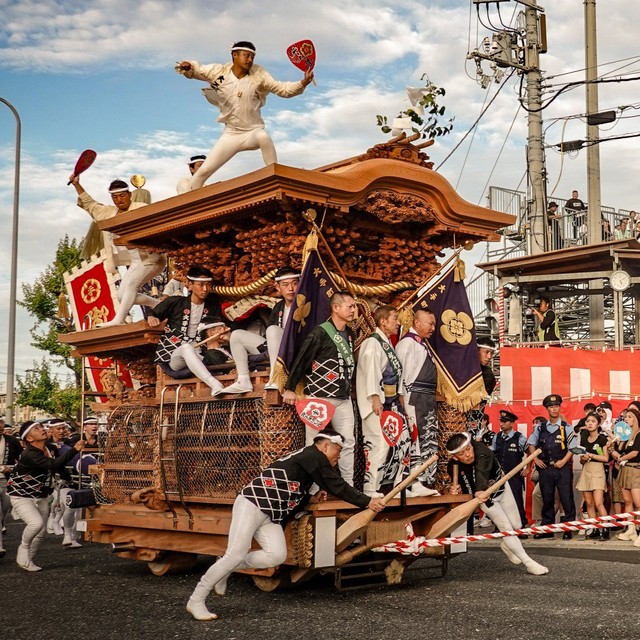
(99, 74)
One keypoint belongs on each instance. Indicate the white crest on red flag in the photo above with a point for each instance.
(315, 413)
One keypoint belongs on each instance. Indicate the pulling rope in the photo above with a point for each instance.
(415, 545)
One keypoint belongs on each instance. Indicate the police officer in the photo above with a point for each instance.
(554, 465)
(509, 447)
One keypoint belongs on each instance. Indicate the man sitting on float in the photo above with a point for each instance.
(245, 343)
(188, 318)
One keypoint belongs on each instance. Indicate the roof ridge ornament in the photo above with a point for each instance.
(401, 148)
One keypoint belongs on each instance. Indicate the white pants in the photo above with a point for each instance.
(187, 356)
(34, 512)
(228, 144)
(69, 516)
(137, 274)
(5, 505)
(505, 515)
(274, 339)
(242, 343)
(248, 522)
(377, 452)
(343, 422)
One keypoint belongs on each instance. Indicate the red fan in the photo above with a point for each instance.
(315, 413)
(84, 162)
(303, 55)
(391, 423)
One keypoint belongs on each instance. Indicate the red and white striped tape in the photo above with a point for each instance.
(414, 545)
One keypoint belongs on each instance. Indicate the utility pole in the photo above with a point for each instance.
(596, 303)
(11, 347)
(505, 50)
(535, 141)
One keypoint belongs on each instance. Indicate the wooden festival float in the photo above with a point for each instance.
(174, 457)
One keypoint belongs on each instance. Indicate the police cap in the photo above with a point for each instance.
(551, 400)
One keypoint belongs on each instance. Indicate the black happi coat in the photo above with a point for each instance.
(282, 487)
(176, 310)
(32, 477)
(320, 361)
(12, 451)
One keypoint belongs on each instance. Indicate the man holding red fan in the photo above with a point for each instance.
(239, 89)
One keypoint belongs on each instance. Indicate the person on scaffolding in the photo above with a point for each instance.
(548, 330)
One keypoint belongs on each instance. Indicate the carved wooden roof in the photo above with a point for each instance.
(401, 191)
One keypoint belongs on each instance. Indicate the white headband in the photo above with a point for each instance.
(288, 276)
(57, 423)
(335, 439)
(243, 49)
(200, 279)
(120, 190)
(467, 441)
(26, 433)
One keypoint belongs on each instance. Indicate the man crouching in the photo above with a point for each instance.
(263, 506)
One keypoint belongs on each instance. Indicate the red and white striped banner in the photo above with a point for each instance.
(528, 374)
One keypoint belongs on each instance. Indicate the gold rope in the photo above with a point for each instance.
(374, 290)
(247, 289)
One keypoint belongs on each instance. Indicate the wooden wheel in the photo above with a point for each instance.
(172, 562)
(271, 583)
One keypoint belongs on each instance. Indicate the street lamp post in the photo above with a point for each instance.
(11, 348)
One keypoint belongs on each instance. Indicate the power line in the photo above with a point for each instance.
(573, 85)
(477, 120)
(603, 64)
(495, 164)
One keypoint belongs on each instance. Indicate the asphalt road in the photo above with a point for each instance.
(89, 594)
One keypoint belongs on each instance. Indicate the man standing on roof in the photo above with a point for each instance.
(184, 184)
(142, 266)
(239, 89)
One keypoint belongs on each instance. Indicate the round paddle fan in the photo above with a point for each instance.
(316, 413)
(622, 430)
(303, 55)
(84, 162)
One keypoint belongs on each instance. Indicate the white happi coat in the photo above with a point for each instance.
(240, 99)
(372, 361)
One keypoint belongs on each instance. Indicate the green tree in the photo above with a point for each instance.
(41, 299)
(427, 115)
(41, 389)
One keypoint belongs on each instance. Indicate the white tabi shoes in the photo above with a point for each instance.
(23, 560)
(70, 543)
(241, 385)
(418, 490)
(199, 610)
(271, 386)
(535, 568)
(215, 385)
(513, 558)
(373, 494)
